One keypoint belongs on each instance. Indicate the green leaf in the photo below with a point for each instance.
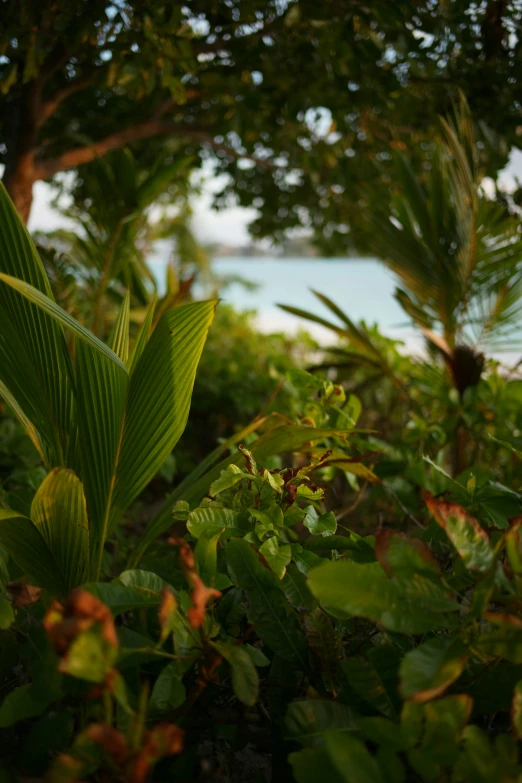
(149, 583)
(400, 554)
(308, 720)
(275, 621)
(101, 397)
(6, 613)
(27, 547)
(206, 555)
(142, 339)
(50, 308)
(382, 731)
(90, 657)
(374, 678)
(32, 345)
(296, 589)
(351, 759)
(19, 705)
(229, 477)
(465, 533)
(428, 670)
(59, 513)
(119, 338)
(120, 598)
(364, 590)
(245, 680)
(214, 519)
(276, 556)
(159, 399)
(245, 567)
(504, 642)
(168, 691)
(313, 764)
(319, 525)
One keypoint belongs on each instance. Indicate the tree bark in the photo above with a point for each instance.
(19, 179)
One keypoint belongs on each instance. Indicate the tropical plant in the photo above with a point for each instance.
(106, 251)
(457, 252)
(110, 415)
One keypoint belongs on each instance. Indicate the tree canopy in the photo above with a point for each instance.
(300, 103)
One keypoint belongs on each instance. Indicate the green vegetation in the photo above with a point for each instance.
(317, 574)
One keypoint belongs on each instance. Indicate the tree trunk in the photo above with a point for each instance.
(19, 180)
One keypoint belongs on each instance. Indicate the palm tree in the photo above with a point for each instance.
(456, 252)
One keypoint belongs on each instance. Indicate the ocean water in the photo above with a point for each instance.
(361, 288)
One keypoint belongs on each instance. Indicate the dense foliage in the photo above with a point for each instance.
(318, 574)
(301, 103)
(317, 595)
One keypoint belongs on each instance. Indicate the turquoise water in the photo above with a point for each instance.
(362, 288)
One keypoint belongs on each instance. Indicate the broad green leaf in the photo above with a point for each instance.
(304, 559)
(229, 477)
(382, 731)
(214, 519)
(351, 759)
(504, 642)
(275, 621)
(313, 764)
(465, 533)
(28, 548)
(401, 554)
(59, 513)
(374, 678)
(319, 525)
(14, 403)
(19, 705)
(101, 397)
(142, 339)
(61, 316)
(39, 349)
(120, 598)
(119, 338)
(277, 556)
(325, 644)
(168, 691)
(245, 680)
(364, 590)
(445, 719)
(146, 581)
(6, 613)
(429, 669)
(308, 720)
(206, 555)
(296, 589)
(90, 657)
(159, 399)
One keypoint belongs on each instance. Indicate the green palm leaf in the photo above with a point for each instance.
(26, 545)
(42, 338)
(159, 398)
(59, 513)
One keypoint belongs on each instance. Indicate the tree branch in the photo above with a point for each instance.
(50, 105)
(45, 169)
